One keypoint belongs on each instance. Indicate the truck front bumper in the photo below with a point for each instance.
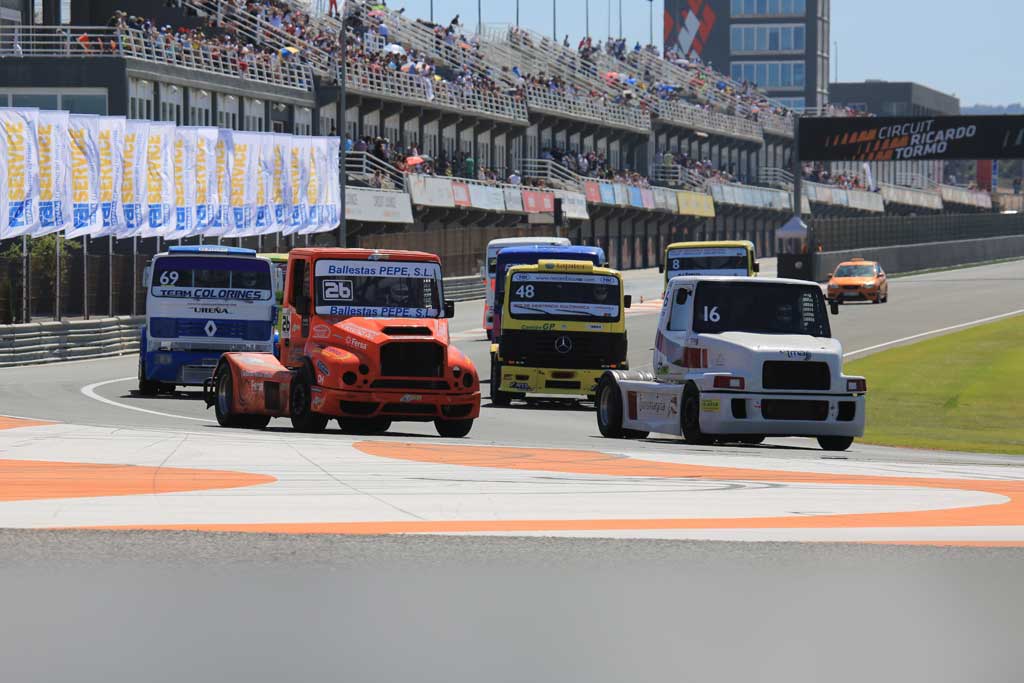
(782, 414)
(411, 405)
(185, 368)
(549, 381)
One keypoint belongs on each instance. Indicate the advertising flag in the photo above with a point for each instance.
(265, 223)
(220, 220)
(314, 185)
(298, 179)
(207, 200)
(280, 190)
(185, 147)
(19, 172)
(332, 184)
(159, 197)
(54, 176)
(133, 181)
(243, 173)
(84, 150)
(111, 154)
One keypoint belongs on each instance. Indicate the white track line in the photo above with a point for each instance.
(934, 332)
(90, 391)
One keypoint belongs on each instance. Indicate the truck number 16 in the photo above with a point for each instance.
(711, 314)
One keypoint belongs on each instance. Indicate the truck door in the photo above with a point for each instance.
(295, 330)
(673, 329)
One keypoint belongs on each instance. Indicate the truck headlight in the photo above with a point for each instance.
(857, 386)
(163, 359)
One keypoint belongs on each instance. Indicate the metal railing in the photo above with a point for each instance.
(371, 169)
(677, 176)
(93, 41)
(586, 108)
(775, 177)
(710, 122)
(401, 86)
(552, 172)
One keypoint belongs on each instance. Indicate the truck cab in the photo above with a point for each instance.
(489, 268)
(739, 359)
(202, 301)
(727, 258)
(364, 339)
(563, 323)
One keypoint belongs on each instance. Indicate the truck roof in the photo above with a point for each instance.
(365, 254)
(693, 279)
(559, 249)
(719, 243)
(213, 249)
(542, 239)
(565, 265)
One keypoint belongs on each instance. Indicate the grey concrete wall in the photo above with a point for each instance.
(912, 257)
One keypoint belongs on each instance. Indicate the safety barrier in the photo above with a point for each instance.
(47, 342)
(838, 234)
(714, 123)
(469, 288)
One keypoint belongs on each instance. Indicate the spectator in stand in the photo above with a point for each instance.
(515, 178)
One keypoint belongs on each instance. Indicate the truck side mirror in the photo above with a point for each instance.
(757, 267)
(682, 294)
(627, 301)
(147, 273)
(661, 267)
(829, 276)
(834, 307)
(302, 304)
(449, 308)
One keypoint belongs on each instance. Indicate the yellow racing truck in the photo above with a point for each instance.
(563, 324)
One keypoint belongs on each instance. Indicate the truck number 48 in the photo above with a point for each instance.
(525, 292)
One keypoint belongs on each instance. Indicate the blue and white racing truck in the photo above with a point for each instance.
(202, 301)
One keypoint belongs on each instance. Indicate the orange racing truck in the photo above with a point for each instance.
(364, 339)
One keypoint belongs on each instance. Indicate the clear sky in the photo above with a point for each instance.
(971, 48)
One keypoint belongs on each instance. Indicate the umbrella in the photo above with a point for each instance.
(413, 161)
(375, 13)
(395, 48)
(286, 51)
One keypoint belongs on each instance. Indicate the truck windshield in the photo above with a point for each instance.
(378, 289)
(211, 277)
(760, 308)
(546, 296)
(708, 261)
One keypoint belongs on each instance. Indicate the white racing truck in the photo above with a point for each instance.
(737, 359)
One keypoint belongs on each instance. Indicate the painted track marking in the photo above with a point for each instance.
(90, 392)
(935, 332)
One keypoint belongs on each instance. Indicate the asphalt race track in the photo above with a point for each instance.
(502, 585)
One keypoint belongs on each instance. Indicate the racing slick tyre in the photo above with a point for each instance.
(835, 443)
(147, 387)
(453, 429)
(498, 397)
(690, 417)
(224, 400)
(751, 440)
(365, 426)
(303, 417)
(609, 412)
(255, 421)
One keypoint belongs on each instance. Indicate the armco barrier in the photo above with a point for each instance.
(466, 288)
(912, 257)
(51, 341)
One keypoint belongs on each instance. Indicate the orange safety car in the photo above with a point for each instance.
(858, 280)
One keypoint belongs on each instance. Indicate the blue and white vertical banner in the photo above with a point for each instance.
(265, 223)
(54, 173)
(314, 186)
(281, 194)
(19, 172)
(330, 215)
(185, 147)
(245, 169)
(220, 219)
(207, 200)
(133, 182)
(84, 150)
(319, 190)
(298, 183)
(111, 153)
(159, 219)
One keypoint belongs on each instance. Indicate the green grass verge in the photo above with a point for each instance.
(958, 392)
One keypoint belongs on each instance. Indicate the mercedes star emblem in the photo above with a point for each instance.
(563, 344)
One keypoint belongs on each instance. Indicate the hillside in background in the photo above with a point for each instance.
(988, 109)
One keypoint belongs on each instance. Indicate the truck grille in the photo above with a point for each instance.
(212, 329)
(586, 350)
(781, 409)
(198, 373)
(796, 375)
(412, 359)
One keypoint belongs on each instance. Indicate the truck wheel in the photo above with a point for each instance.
(147, 387)
(835, 443)
(224, 400)
(751, 440)
(303, 418)
(453, 429)
(364, 427)
(691, 418)
(255, 421)
(609, 409)
(498, 398)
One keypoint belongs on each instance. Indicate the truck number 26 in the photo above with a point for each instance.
(711, 314)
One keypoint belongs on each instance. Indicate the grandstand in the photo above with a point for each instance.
(634, 148)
